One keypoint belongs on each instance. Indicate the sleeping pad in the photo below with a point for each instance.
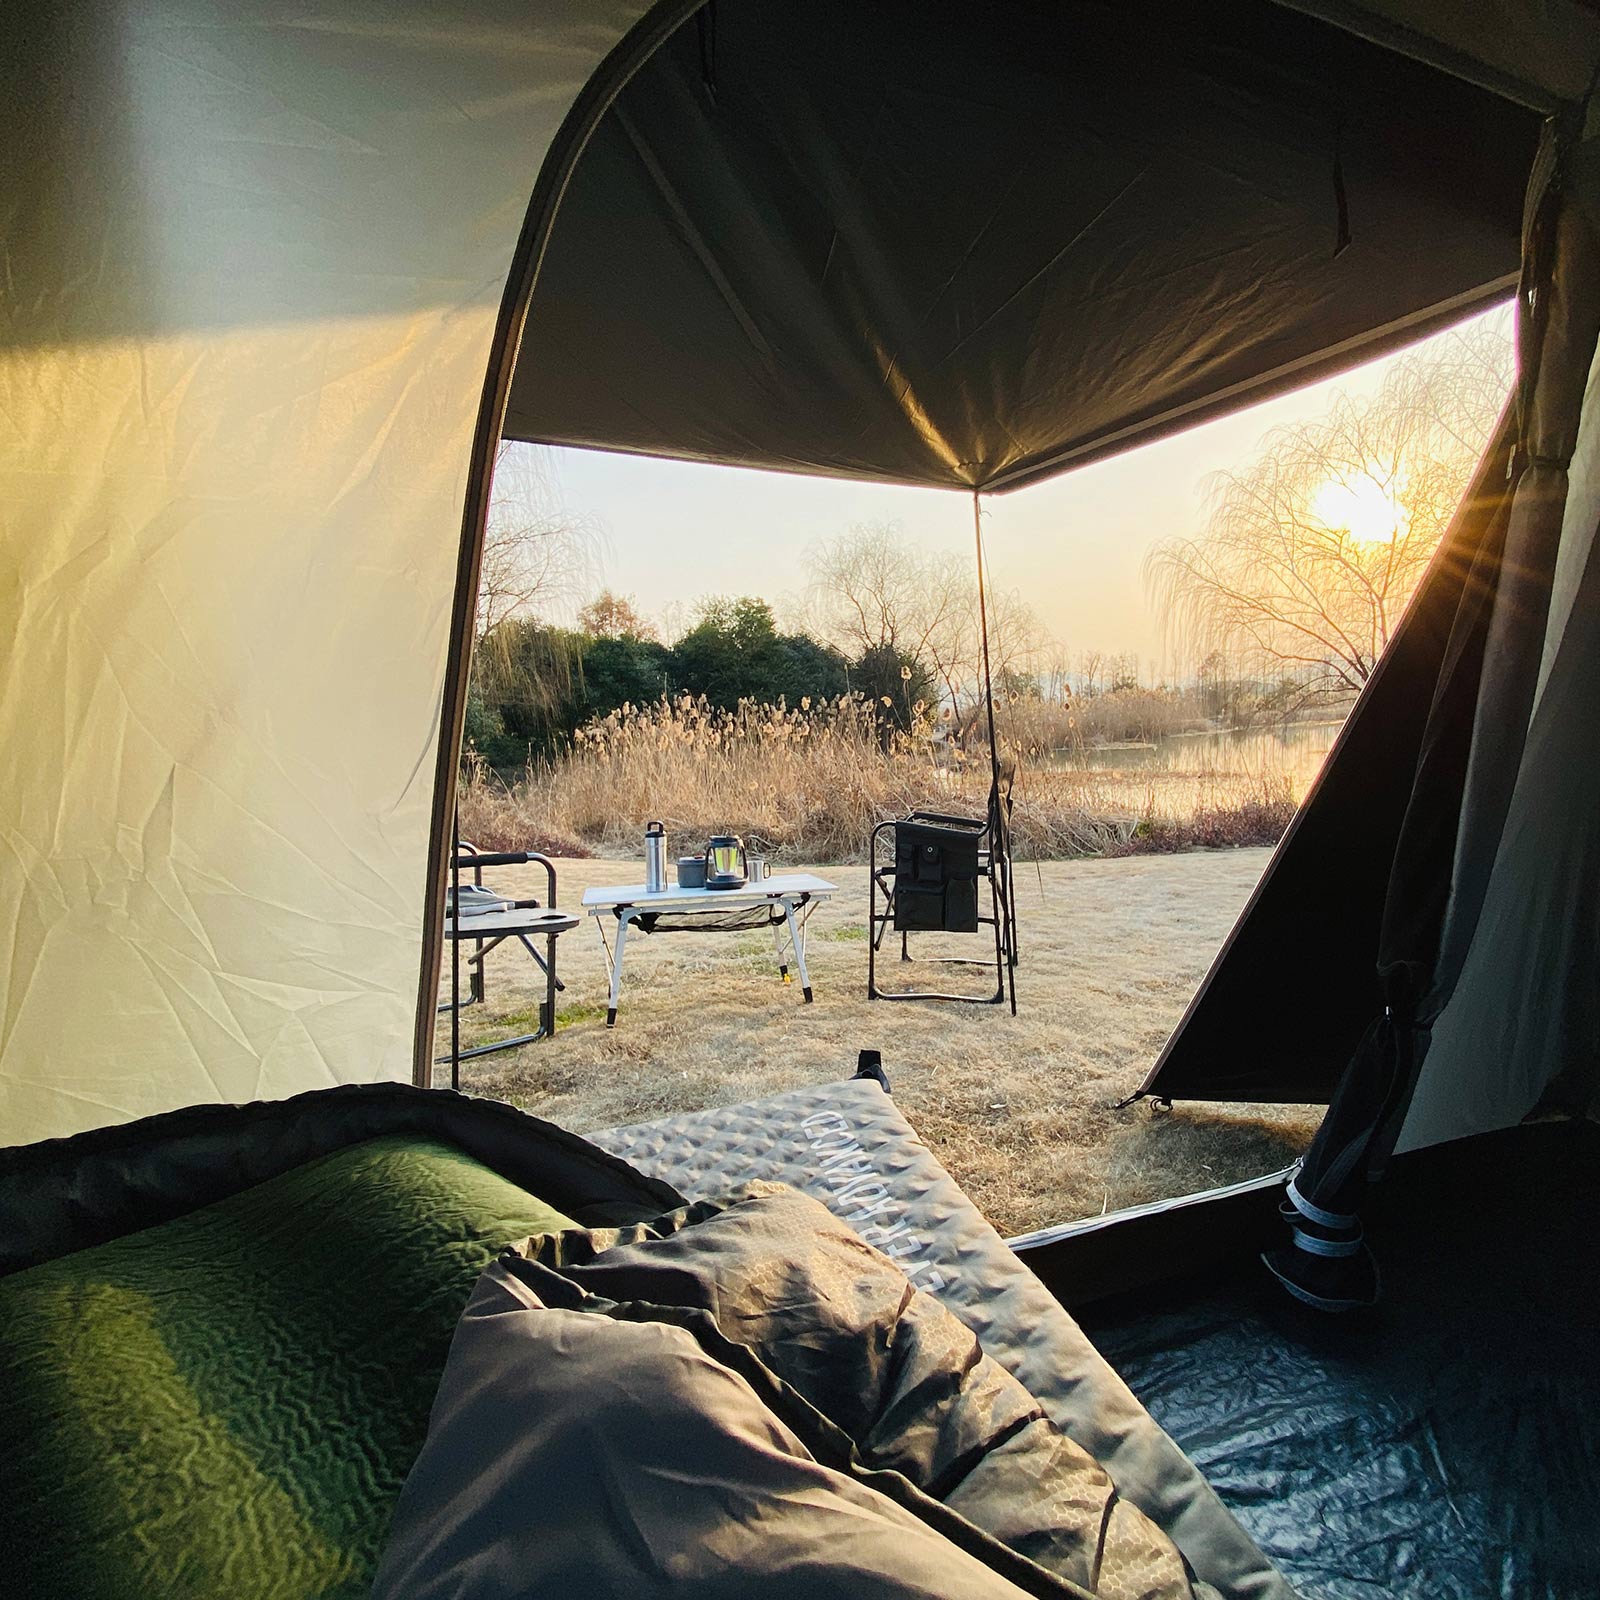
(850, 1146)
(227, 1404)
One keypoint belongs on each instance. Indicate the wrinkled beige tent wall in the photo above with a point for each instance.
(253, 255)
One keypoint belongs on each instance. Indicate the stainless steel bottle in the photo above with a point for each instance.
(655, 857)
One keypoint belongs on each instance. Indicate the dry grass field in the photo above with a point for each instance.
(811, 782)
(1020, 1110)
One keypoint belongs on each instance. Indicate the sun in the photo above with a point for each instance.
(1368, 511)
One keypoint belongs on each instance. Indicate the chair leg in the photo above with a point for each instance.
(547, 1012)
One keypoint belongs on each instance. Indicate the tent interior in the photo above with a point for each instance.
(275, 290)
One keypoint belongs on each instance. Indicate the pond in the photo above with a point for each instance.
(1294, 750)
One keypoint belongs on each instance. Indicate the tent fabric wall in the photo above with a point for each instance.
(1542, 53)
(253, 255)
(1520, 1032)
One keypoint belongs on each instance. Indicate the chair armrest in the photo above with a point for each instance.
(510, 858)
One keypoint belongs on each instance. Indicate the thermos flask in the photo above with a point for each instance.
(655, 857)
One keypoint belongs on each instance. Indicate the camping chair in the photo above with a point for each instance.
(928, 882)
(474, 914)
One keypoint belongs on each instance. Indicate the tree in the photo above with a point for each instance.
(1018, 642)
(894, 684)
(811, 669)
(1091, 663)
(893, 606)
(735, 652)
(614, 616)
(875, 591)
(622, 669)
(536, 552)
(526, 678)
(526, 674)
(1311, 551)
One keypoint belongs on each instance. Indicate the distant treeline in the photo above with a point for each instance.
(534, 685)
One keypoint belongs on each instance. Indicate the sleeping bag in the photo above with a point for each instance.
(747, 1399)
(228, 1404)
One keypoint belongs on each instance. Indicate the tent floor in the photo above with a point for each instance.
(1446, 1443)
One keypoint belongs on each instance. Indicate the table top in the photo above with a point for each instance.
(783, 886)
(524, 919)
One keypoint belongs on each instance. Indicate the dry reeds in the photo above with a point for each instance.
(809, 782)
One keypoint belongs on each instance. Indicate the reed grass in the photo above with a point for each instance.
(809, 782)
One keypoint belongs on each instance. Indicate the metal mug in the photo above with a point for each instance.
(756, 867)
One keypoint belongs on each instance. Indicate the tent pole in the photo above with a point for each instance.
(634, 49)
(455, 945)
(983, 633)
(1005, 927)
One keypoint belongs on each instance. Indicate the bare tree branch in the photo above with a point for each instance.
(1311, 551)
(873, 589)
(536, 553)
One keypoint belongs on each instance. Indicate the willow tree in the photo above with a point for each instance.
(538, 556)
(1311, 551)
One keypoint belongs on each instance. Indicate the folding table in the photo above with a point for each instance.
(783, 903)
(487, 929)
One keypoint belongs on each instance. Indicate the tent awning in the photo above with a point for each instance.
(902, 242)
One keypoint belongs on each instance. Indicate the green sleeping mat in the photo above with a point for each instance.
(228, 1404)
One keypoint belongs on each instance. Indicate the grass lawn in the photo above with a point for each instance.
(1019, 1109)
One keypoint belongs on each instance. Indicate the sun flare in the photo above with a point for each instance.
(1368, 511)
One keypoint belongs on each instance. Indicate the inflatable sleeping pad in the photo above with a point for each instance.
(221, 1330)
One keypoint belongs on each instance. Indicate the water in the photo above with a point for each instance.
(1294, 750)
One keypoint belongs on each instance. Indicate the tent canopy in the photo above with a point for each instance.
(265, 270)
(922, 242)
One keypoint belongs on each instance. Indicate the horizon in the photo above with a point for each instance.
(674, 533)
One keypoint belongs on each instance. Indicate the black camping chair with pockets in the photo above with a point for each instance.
(926, 873)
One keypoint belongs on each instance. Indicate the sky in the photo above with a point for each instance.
(673, 532)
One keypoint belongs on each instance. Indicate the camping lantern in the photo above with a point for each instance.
(725, 862)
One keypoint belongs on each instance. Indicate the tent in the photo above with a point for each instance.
(278, 278)
(267, 278)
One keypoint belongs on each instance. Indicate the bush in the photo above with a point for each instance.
(1259, 817)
